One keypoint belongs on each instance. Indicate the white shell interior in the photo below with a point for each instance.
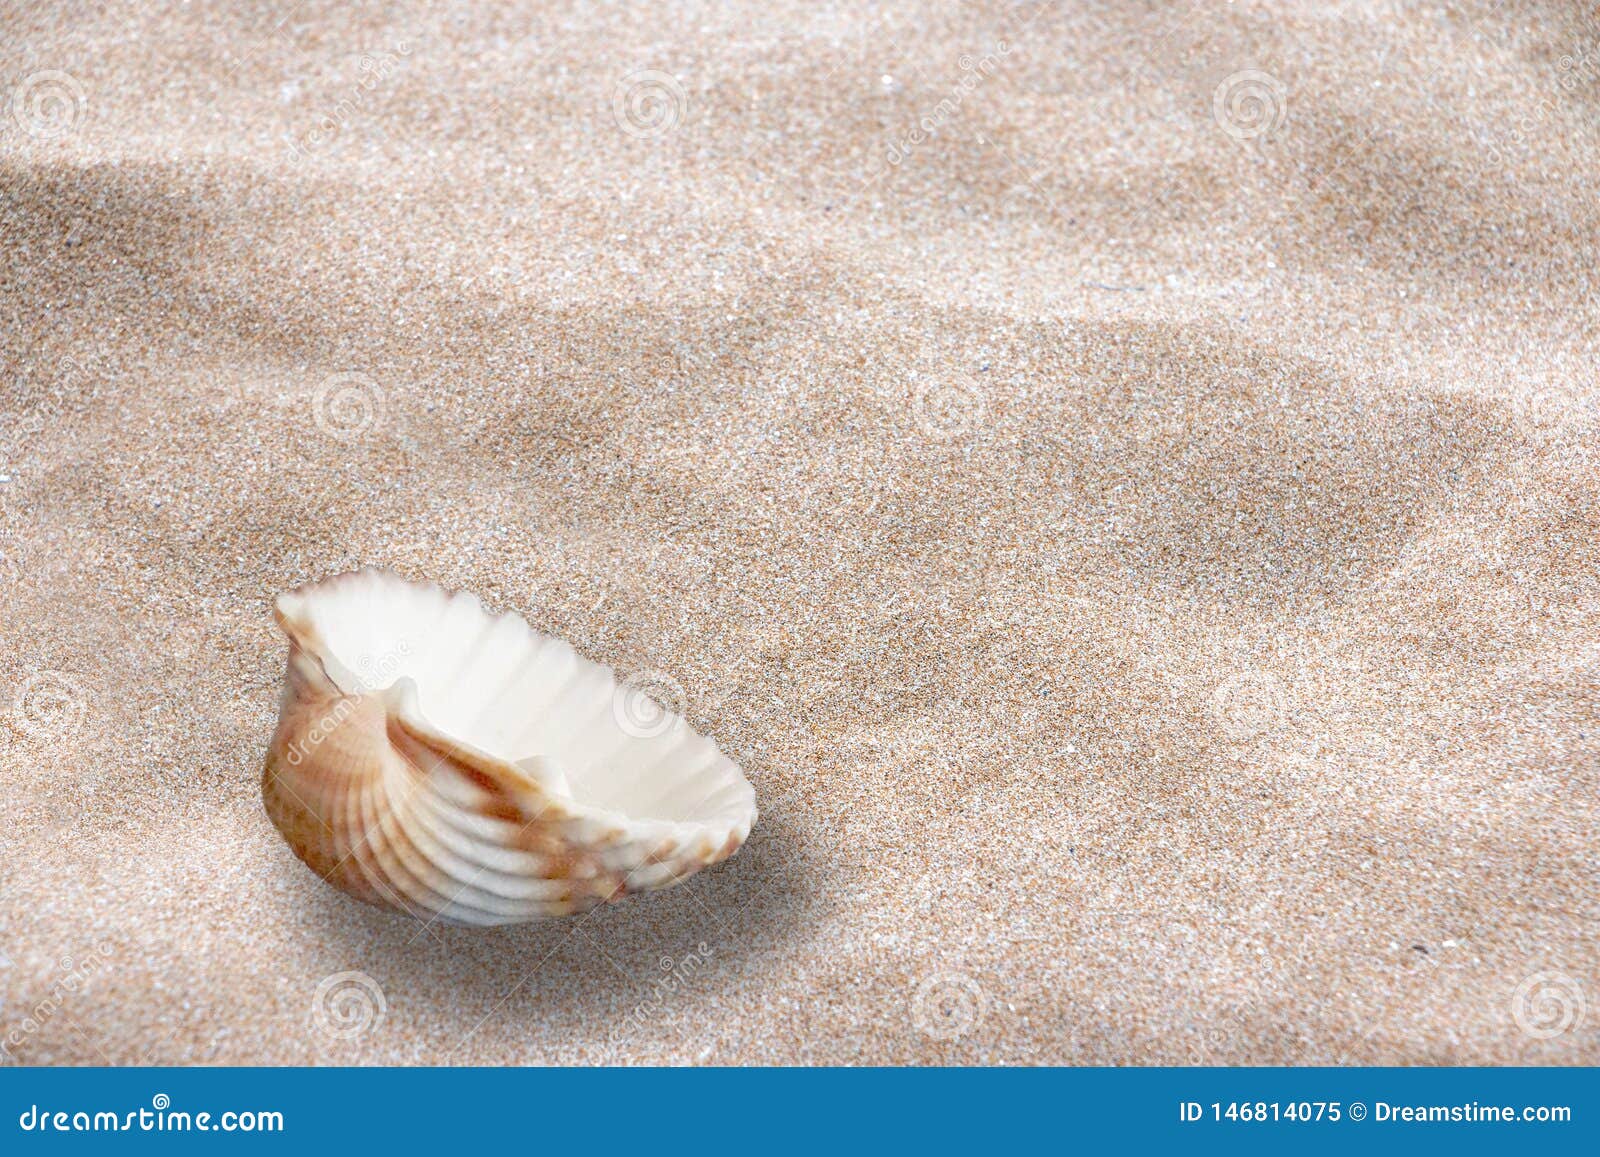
(502, 688)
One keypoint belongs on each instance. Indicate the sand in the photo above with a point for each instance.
(1122, 480)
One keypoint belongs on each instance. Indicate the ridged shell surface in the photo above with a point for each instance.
(452, 764)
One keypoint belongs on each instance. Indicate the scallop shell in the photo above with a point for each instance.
(453, 764)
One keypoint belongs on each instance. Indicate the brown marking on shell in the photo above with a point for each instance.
(308, 835)
(537, 839)
(366, 753)
(559, 867)
(500, 808)
(481, 780)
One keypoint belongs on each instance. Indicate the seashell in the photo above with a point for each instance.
(453, 764)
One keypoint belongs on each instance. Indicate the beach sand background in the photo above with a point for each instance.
(1121, 479)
